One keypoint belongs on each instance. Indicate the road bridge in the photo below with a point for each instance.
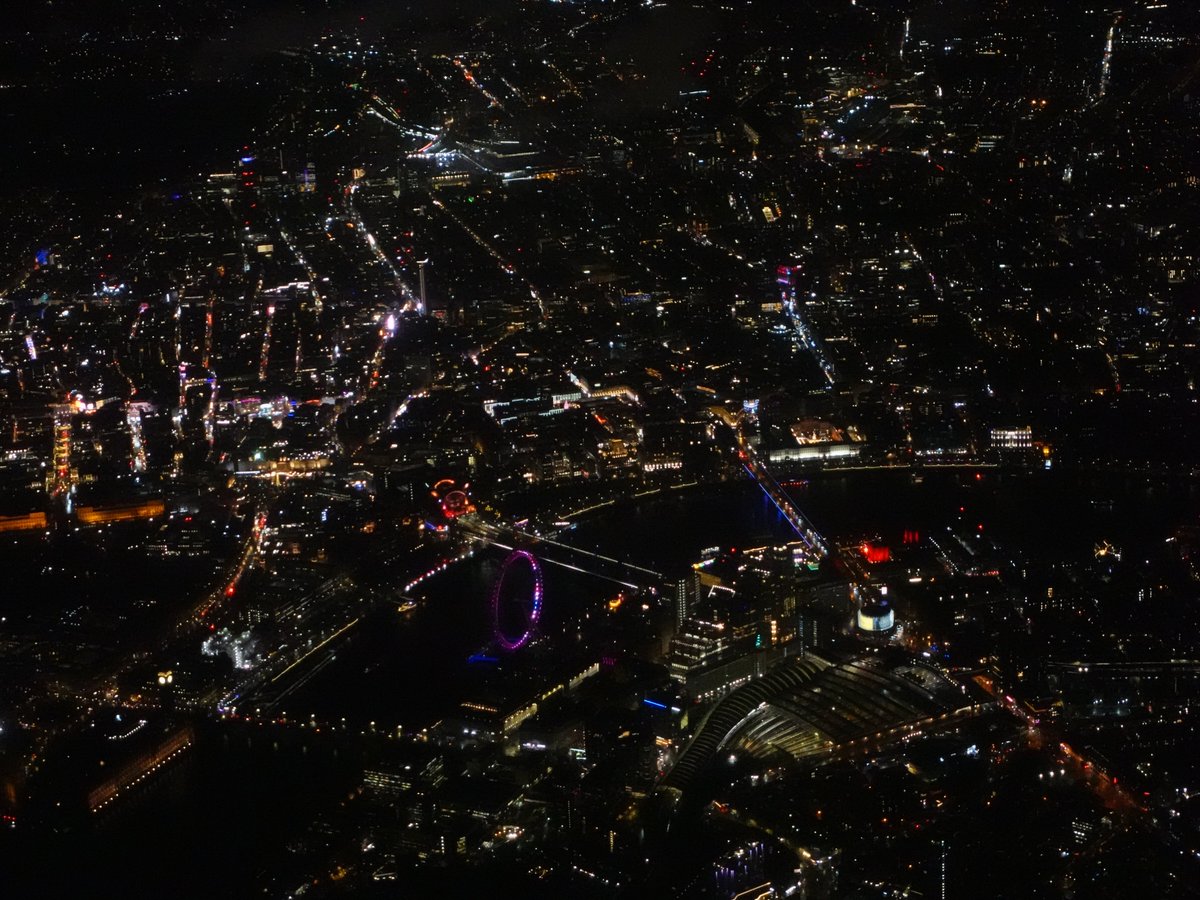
(588, 562)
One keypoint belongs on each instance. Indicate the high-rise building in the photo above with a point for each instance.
(696, 644)
(685, 593)
(810, 631)
(247, 195)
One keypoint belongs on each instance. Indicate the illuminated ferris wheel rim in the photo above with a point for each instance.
(535, 611)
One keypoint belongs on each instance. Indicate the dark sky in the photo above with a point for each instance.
(65, 17)
(81, 116)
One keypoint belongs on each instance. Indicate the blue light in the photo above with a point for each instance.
(795, 527)
(654, 703)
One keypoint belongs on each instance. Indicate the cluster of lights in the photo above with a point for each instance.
(130, 733)
(535, 610)
(438, 569)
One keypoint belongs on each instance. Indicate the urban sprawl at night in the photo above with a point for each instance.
(732, 449)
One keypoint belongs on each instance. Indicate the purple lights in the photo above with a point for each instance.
(535, 610)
